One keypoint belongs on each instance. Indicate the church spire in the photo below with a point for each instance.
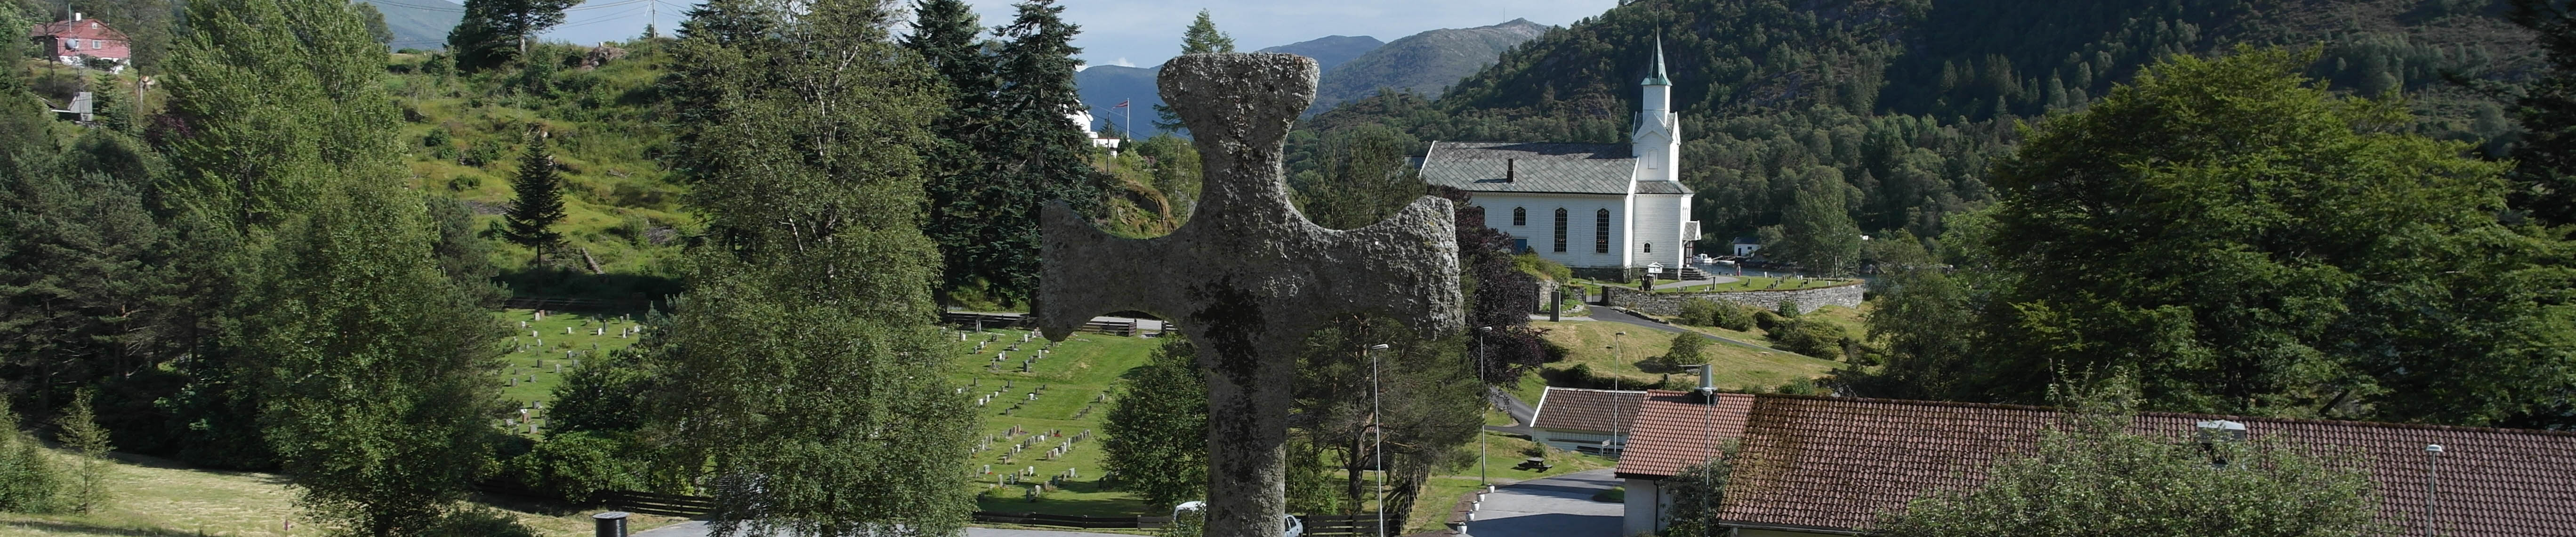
(1658, 79)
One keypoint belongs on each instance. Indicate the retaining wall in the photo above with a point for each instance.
(1847, 295)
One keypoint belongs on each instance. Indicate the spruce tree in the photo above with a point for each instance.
(1200, 38)
(986, 220)
(2545, 175)
(78, 430)
(539, 204)
(805, 373)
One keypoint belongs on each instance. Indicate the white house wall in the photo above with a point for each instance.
(1642, 510)
(1540, 231)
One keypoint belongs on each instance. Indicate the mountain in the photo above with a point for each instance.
(1103, 86)
(1330, 51)
(1902, 104)
(1425, 63)
(421, 24)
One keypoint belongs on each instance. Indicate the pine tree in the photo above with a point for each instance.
(539, 204)
(494, 32)
(802, 359)
(1200, 38)
(2546, 173)
(78, 429)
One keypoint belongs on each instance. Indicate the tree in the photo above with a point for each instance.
(364, 366)
(494, 32)
(1924, 323)
(376, 23)
(29, 480)
(78, 430)
(2545, 173)
(2253, 244)
(1363, 178)
(2091, 476)
(985, 218)
(1688, 349)
(803, 372)
(1157, 432)
(1816, 231)
(1201, 38)
(1696, 494)
(539, 204)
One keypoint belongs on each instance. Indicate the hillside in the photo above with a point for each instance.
(1330, 51)
(1899, 104)
(420, 24)
(1426, 63)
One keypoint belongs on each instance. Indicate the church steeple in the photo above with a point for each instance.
(1658, 79)
(1658, 139)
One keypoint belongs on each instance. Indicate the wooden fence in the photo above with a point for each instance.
(1073, 521)
(987, 320)
(655, 504)
(576, 304)
(693, 506)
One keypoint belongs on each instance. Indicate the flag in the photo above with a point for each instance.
(1121, 104)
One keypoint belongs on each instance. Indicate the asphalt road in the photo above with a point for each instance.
(695, 528)
(1558, 506)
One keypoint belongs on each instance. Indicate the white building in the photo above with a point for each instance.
(1083, 119)
(1605, 210)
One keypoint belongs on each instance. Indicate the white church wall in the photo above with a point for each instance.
(1540, 229)
(1660, 219)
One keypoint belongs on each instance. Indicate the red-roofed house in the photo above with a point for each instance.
(1828, 466)
(1586, 421)
(74, 40)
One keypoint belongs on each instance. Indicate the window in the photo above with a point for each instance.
(1650, 247)
(1520, 216)
(1560, 229)
(97, 44)
(1601, 231)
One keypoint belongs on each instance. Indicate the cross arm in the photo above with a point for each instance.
(1086, 272)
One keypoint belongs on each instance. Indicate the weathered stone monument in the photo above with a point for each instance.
(1248, 276)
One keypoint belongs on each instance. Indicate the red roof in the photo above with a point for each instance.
(1577, 409)
(80, 29)
(1836, 462)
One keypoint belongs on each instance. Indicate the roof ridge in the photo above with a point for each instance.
(2231, 417)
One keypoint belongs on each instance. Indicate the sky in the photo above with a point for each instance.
(1143, 33)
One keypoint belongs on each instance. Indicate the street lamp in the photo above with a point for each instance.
(1615, 360)
(1375, 424)
(1489, 398)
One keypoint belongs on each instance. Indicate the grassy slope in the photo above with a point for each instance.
(1076, 374)
(1738, 367)
(158, 498)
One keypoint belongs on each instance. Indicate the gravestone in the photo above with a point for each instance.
(1248, 276)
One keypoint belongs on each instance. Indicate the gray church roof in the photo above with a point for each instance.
(1535, 167)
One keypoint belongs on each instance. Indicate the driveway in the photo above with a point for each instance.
(1558, 506)
(695, 528)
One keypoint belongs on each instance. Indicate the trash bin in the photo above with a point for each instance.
(609, 524)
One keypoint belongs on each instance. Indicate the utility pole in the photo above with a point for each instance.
(1376, 423)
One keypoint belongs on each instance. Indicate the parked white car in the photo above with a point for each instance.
(1289, 525)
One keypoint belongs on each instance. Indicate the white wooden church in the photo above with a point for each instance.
(1605, 210)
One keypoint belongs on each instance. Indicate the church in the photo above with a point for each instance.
(1605, 210)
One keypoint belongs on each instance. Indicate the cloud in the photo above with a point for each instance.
(1122, 62)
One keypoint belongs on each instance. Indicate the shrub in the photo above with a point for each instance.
(574, 465)
(28, 477)
(1687, 350)
(1809, 337)
(1787, 308)
(1767, 320)
(1732, 316)
(478, 522)
(1698, 312)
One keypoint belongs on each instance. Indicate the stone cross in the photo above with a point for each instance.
(1248, 276)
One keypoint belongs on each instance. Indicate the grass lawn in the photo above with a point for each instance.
(1078, 375)
(1738, 367)
(154, 497)
(534, 365)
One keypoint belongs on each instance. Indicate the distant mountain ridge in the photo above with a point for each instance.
(1330, 51)
(1426, 63)
(1353, 67)
(421, 24)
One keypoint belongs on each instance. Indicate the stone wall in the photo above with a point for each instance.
(1847, 295)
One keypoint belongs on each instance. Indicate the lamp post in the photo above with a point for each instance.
(1615, 360)
(1489, 399)
(1378, 450)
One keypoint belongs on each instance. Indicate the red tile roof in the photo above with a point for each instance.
(1836, 462)
(1673, 430)
(1577, 409)
(82, 29)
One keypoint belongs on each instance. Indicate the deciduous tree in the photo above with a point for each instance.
(494, 32)
(1157, 432)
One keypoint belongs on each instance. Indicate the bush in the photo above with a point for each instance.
(29, 479)
(1767, 320)
(1698, 312)
(574, 465)
(1732, 316)
(1687, 350)
(1809, 337)
(478, 522)
(1787, 308)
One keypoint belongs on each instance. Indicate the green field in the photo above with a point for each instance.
(154, 497)
(1078, 378)
(1596, 345)
(1758, 283)
(534, 364)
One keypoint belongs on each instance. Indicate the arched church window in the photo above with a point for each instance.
(1560, 229)
(1601, 231)
(1520, 216)
(1650, 247)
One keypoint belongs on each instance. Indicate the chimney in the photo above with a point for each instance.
(1511, 170)
(76, 16)
(1707, 392)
